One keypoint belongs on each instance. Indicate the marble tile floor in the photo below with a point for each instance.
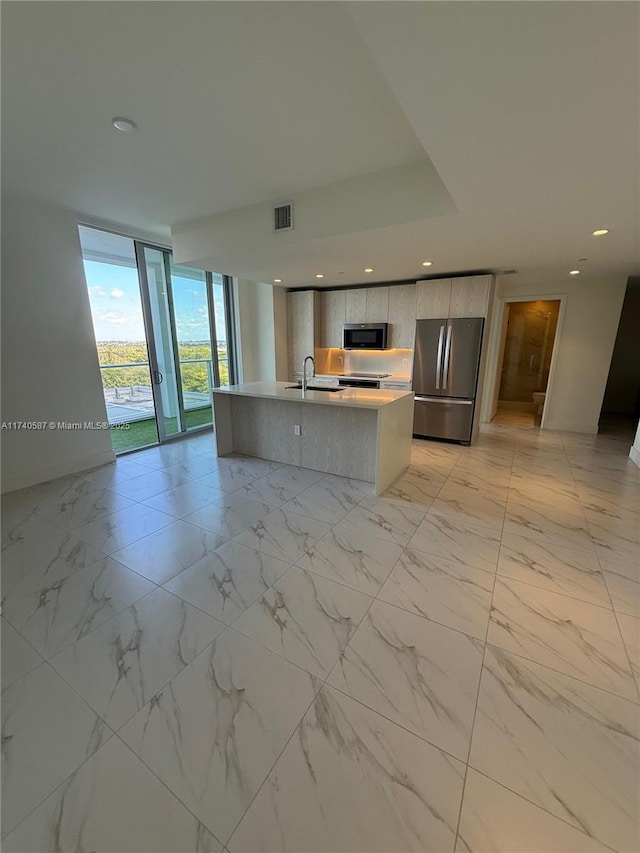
(204, 654)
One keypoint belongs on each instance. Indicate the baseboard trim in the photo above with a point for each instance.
(571, 426)
(54, 472)
(634, 455)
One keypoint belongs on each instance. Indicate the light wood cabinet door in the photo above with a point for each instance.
(433, 298)
(377, 304)
(303, 320)
(332, 314)
(470, 296)
(356, 306)
(402, 315)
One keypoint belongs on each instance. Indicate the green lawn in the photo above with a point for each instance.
(141, 433)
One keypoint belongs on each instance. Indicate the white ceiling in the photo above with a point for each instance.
(526, 113)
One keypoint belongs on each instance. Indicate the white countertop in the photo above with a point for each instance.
(360, 398)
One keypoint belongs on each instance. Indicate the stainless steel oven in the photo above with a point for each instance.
(359, 383)
(361, 380)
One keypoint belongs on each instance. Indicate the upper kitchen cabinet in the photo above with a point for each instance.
(377, 308)
(303, 321)
(356, 306)
(470, 296)
(332, 317)
(453, 297)
(433, 299)
(402, 315)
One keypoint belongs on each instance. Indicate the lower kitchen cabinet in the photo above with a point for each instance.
(391, 385)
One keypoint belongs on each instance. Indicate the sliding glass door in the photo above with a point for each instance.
(156, 298)
(174, 340)
(190, 288)
(221, 310)
(120, 328)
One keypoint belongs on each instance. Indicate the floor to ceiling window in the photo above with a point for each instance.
(162, 334)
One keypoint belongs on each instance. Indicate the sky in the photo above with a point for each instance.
(116, 309)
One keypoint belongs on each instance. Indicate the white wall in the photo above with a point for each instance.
(49, 359)
(584, 345)
(256, 326)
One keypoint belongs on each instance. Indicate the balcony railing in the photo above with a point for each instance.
(129, 396)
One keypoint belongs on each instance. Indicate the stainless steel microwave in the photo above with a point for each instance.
(365, 335)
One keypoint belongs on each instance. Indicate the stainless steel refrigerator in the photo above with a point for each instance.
(445, 377)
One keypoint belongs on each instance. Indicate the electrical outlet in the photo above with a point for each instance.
(296, 429)
(340, 359)
(405, 362)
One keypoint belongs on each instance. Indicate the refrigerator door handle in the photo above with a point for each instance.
(439, 359)
(447, 354)
(451, 401)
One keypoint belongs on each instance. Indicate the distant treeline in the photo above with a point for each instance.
(194, 376)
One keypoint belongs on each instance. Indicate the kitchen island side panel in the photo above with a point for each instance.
(222, 428)
(364, 435)
(335, 441)
(393, 452)
(340, 441)
(265, 428)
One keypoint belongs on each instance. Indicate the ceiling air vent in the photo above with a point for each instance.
(283, 217)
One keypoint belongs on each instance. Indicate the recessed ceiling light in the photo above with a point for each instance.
(427, 263)
(124, 124)
(369, 269)
(319, 275)
(574, 272)
(278, 280)
(600, 232)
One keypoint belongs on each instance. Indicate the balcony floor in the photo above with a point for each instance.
(127, 408)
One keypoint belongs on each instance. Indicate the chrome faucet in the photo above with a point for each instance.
(304, 373)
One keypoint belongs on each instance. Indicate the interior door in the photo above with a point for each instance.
(428, 357)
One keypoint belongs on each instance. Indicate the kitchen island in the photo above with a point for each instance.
(355, 432)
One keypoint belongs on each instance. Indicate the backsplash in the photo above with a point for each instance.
(398, 362)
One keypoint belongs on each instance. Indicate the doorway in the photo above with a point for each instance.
(621, 403)
(161, 344)
(528, 337)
